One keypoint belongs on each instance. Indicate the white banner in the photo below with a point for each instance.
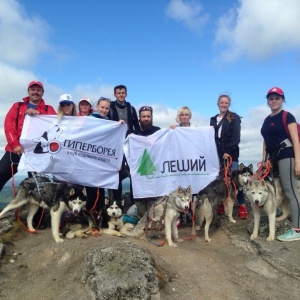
(82, 150)
(159, 163)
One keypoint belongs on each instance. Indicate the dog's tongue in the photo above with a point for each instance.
(186, 211)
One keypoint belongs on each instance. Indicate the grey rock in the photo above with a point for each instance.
(120, 271)
(5, 226)
(1, 249)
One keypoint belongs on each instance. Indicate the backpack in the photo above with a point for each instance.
(284, 118)
(18, 108)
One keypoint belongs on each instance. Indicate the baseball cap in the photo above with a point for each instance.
(35, 82)
(275, 90)
(86, 99)
(65, 98)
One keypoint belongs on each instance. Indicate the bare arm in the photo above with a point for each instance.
(292, 127)
(264, 155)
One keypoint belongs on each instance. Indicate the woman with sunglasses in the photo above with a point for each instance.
(281, 146)
(66, 106)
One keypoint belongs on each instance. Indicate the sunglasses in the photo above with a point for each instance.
(146, 108)
(274, 98)
(65, 104)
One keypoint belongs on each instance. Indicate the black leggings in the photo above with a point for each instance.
(92, 196)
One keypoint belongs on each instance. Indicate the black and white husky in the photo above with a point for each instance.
(57, 196)
(113, 215)
(217, 191)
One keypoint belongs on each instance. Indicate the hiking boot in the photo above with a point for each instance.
(243, 214)
(220, 209)
(289, 236)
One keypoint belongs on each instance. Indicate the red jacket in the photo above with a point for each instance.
(14, 120)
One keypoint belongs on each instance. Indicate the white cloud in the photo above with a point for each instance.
(259, 29)
(189, 13)
(22, 38)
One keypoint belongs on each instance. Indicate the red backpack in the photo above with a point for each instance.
(284, 117)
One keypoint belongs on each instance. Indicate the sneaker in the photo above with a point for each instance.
(243, 214)
(220, 209)
(289, 236)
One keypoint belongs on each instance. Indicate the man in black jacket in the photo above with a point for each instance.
(120, 109)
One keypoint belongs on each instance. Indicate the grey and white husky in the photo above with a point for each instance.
(41, 192)
(204, 206)
(166, 211)
(268, 196)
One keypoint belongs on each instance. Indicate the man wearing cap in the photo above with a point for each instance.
(85, 107)
(32, 105)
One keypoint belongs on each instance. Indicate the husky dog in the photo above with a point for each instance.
(268, 196)
(217, 191)
(115, 224)
(57, 196)
(166, 210)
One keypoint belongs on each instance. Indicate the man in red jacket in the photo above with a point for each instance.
(31, 105)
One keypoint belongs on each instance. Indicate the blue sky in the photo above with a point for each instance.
(169, 53)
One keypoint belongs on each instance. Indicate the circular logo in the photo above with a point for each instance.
(54, 147)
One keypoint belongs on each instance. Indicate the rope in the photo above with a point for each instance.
(25, 227)
(263, 171)
(12, 175)
(227, 164)
(96, 200)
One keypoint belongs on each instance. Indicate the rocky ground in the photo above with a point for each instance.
(229, 267)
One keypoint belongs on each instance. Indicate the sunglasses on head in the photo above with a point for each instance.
(145, 108)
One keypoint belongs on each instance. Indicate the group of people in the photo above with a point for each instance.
(227, 125)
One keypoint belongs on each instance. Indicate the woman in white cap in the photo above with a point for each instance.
(85, 107)
(66, 106)
(281, 146)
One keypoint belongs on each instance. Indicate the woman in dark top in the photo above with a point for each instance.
(227, 136)
(101, 112)
(283, 149)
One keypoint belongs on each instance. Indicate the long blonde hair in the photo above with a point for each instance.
(60, 112)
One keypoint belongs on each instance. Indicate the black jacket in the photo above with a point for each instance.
(230, 136)
(148, 132)
(133, 122)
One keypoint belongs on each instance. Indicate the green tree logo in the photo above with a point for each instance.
(146, 166)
